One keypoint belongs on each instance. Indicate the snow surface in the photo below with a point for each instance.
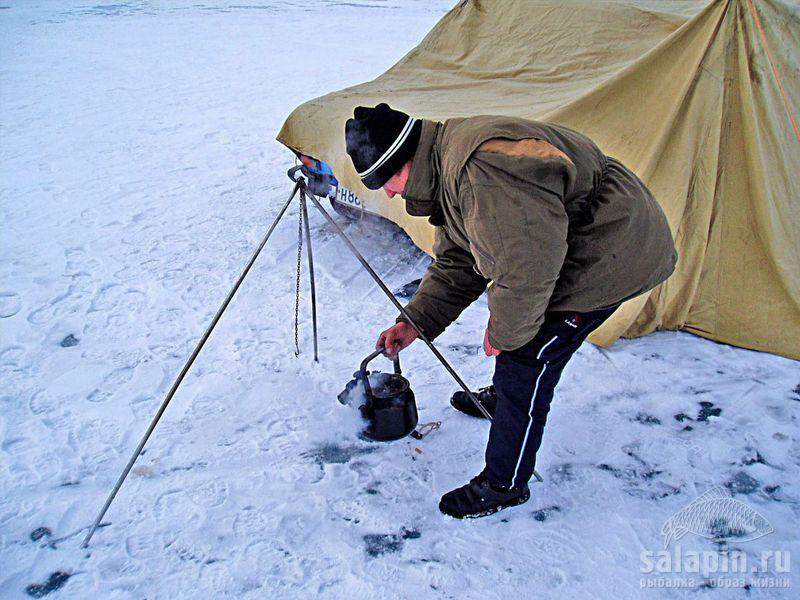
(138, 170)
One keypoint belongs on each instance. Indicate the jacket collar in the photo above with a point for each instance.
(421, 192)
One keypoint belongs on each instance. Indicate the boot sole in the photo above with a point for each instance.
(463, 412)
(485, 513)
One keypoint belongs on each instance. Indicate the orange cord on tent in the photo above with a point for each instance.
(774, 70)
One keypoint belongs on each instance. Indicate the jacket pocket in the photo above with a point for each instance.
(490, 260)
(484, 245)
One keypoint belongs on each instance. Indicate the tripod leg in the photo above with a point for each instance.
(185, 370)
(310, 269)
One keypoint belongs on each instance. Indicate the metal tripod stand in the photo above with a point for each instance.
(301, 188)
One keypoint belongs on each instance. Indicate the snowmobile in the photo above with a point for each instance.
(323, 183)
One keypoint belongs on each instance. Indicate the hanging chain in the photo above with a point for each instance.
(297, 283)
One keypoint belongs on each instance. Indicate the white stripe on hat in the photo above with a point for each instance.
(404, 133)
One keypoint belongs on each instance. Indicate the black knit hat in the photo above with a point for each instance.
(380, 141)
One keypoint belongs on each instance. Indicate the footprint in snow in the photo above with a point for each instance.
(143, 546)
(43, 403)
(210, 494)
(561, 473)
(10, 304)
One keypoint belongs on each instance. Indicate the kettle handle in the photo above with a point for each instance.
(363, 369)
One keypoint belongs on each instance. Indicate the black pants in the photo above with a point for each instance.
(524, 380)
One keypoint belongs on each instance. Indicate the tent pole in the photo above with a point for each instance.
(307, 228)
(185, 369)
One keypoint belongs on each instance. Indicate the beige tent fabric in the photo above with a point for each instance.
(700, 100)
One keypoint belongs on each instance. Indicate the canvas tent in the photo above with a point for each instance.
(699, 99)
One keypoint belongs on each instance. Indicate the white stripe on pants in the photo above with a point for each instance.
(530, 412)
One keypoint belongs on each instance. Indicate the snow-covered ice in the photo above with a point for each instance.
(138, 170)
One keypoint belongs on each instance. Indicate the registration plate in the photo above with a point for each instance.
(347, 197)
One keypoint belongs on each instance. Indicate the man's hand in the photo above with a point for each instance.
(487, 346)
(396, 338)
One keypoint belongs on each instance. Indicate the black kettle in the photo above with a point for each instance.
(389, 404)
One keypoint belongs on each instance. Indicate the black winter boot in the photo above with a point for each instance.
(478, 499)
(486, 396)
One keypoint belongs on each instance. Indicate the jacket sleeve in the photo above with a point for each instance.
(513, 209)
(450, 284)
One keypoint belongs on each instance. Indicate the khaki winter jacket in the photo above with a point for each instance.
(541, 213)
